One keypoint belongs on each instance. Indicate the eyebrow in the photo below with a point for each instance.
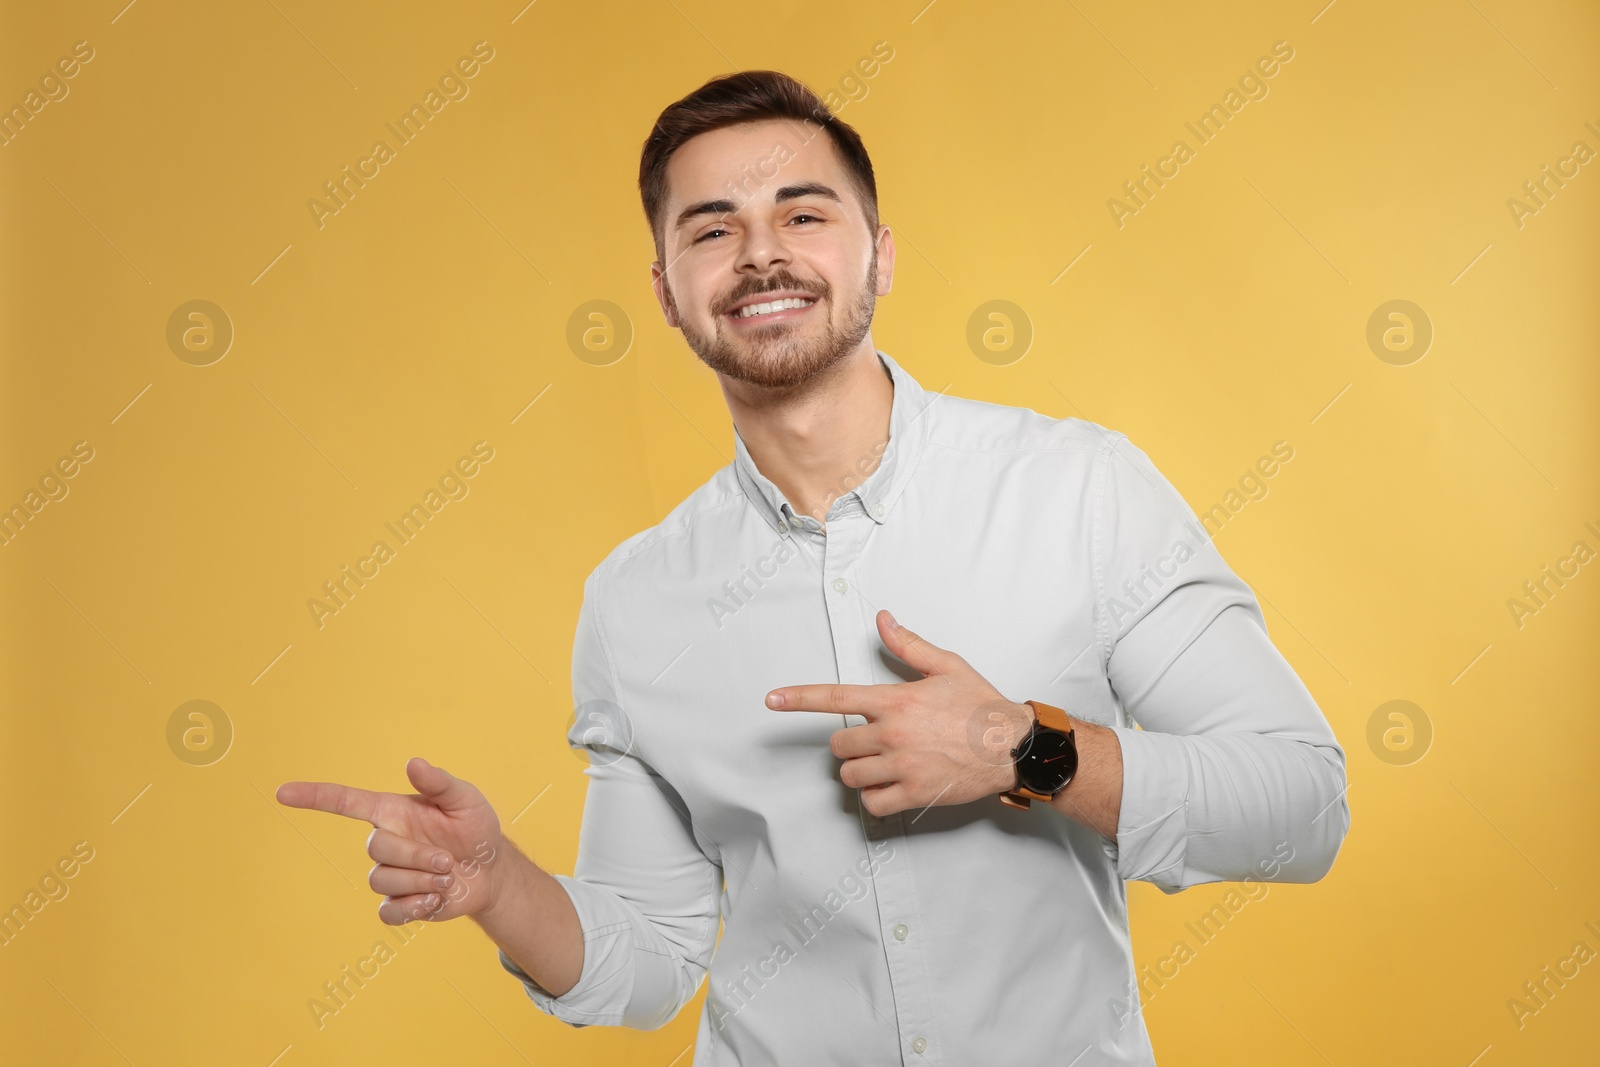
(728, 207)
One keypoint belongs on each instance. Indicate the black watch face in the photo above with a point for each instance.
(1049, 763)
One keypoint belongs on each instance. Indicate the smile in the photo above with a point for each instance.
(774, 310)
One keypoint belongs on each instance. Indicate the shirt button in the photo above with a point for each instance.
(900, 932)
(878, 510)
(919, 1045)
(840, 585)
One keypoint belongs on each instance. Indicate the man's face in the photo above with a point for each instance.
(760, 212)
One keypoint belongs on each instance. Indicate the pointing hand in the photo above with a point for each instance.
(433, 847)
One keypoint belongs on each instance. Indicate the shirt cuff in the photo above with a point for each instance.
(605, 984)
(1152, 826)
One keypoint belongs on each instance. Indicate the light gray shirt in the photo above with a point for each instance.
(1052, 556)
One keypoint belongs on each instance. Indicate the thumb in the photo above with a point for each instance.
(925, 656)
(437, 784)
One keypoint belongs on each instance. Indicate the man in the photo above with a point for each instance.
(768, 746)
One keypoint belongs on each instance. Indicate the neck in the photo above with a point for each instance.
(819, 441)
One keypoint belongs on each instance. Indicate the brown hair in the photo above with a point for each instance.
(748, 96)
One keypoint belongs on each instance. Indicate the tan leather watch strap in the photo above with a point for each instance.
(1056, 719)
(1051, 716)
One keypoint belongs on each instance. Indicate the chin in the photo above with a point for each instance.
(778, 365)
(773, 357)
(782, 355)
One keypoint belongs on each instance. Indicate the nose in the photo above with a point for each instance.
(761, 249)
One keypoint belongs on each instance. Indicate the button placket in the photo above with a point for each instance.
(855, 644)
(840, 553)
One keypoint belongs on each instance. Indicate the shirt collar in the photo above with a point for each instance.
(908, 433)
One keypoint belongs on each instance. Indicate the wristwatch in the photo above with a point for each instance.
(1046, 759)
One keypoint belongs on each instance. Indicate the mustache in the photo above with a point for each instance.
(772, 285)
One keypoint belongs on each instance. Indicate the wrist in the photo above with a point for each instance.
(1019, 720)
(1046, 758)
(505, 874)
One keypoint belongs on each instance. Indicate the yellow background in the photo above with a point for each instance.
(427, 314)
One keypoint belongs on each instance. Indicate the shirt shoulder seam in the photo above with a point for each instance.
(1097, 550)
(655, 535)
(605, 642)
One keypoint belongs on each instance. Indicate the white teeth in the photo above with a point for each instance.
(751, 310)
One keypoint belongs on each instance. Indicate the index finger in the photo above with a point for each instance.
(867, 700)
(331, 797)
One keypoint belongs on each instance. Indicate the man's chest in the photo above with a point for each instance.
(1013, 597)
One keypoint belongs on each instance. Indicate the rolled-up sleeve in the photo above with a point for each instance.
(647, 895)
(1234, 772)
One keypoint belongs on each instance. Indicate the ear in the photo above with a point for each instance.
(658, 283)
(885, 278)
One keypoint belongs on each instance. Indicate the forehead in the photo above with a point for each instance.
(751, 161)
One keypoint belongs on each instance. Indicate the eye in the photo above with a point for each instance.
(712, 233)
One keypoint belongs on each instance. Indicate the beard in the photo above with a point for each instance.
(777, 356)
